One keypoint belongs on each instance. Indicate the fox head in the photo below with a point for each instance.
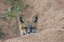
(28, 26)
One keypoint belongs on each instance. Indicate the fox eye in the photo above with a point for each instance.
(25, 27)
(22, 19)
(35, 18)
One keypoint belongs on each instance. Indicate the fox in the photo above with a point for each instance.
(28, 26)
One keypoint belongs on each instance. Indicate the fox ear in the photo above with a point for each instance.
(22, 19)
(35, 18)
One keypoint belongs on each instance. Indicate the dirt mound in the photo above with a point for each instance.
(50, 12)
(48, 35)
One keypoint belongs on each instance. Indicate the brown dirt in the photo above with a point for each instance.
(9, 29)
(51, 15)
(48, 35)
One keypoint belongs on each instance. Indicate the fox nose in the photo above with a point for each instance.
(28, 32)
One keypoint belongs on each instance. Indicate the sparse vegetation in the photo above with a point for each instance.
(14, 10)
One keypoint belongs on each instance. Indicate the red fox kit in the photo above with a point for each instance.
(27, 26)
